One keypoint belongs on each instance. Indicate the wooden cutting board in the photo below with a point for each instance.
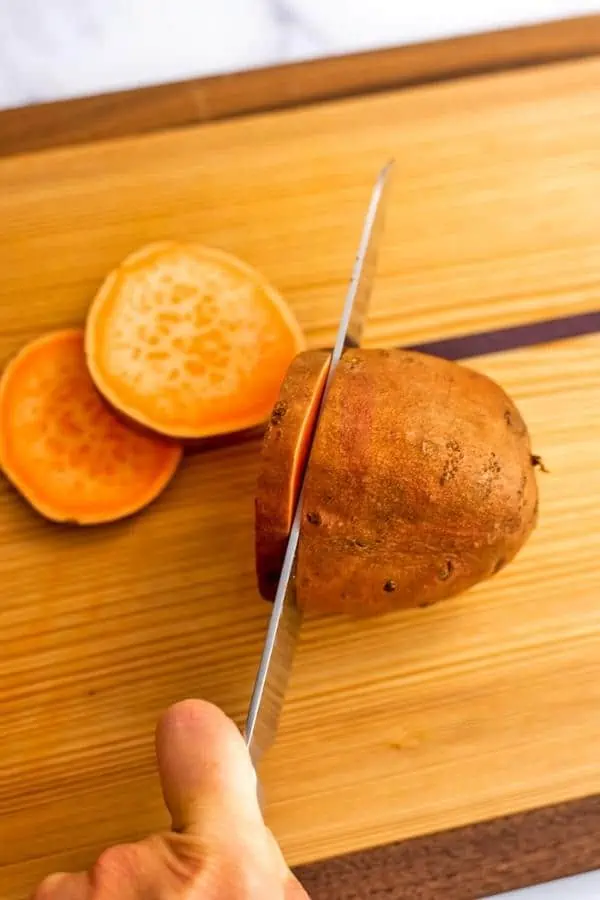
(394, 727)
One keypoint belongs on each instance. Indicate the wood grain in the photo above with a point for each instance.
(487, 705)
(142, 111)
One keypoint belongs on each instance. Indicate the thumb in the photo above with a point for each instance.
(208, 780)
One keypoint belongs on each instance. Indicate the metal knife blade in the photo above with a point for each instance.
(286, 618)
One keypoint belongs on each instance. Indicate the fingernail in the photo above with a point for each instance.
(53, 881)
(63, 886)
(50, 886)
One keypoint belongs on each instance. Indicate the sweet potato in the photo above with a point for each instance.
(189, 341)
(283, 460)
(420, 483)
(64, 449)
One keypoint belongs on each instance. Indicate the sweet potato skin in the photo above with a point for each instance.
(282, 462)
(420, 484)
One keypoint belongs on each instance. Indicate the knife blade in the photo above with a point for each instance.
(286, 618)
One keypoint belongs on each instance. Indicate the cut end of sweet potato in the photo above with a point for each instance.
(283, 460)
(62, 447)
(190, 341)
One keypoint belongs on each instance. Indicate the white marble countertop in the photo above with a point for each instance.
(68, 48)
(52, 49)
(581, 887)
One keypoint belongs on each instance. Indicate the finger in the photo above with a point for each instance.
(208, 780)
(63, 887)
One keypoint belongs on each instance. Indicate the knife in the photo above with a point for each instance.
(286, 618)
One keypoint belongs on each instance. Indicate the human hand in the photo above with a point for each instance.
(219, 847)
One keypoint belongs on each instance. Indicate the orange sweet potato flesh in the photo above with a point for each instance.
(282, 463)
(420, 483)
(190, 341)
(64, 449)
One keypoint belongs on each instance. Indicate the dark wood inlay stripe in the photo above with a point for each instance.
(525, 335)
(467, 863)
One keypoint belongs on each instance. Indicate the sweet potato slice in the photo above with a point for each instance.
(64, 449)
(282, 463)
(190, 341)
(420, 483)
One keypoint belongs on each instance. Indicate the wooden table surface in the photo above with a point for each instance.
(469, 733)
